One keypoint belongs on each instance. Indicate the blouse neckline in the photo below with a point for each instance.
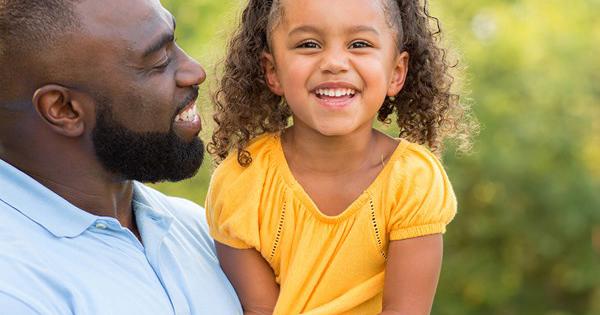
(305, 198)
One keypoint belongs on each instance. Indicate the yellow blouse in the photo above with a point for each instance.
(326, 264)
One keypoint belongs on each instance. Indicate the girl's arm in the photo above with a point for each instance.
(252, 278)
(411, 275)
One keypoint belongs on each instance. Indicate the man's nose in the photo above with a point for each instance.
(189, 73)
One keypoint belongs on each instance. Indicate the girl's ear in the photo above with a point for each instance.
(268, 64)
(399, 74)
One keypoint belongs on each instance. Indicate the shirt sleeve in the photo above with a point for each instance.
(425, 201)
(232, 206)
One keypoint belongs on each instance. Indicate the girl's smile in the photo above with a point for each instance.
(335, 95)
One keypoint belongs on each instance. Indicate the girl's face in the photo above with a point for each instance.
(335, 62)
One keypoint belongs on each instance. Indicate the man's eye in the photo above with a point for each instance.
(360, 44)
(308, 45)
(163, 64)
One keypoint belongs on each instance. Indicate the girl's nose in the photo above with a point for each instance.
(335, 61)
(189, 73)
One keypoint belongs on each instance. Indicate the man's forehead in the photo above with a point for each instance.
(132, 21)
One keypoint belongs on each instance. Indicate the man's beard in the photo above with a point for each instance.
(143, 156)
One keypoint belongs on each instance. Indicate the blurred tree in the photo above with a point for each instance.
(530, 201)
(527, 237)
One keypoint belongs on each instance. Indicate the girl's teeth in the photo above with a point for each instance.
(335, 92)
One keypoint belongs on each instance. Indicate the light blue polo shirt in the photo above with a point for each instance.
(58, 259)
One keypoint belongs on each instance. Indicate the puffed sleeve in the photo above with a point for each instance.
(425, 202)
(232, 205)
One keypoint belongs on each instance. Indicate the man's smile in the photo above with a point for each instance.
(188, 113)
(187, 123)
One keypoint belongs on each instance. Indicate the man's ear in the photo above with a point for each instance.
(268, 64)
(399, 74)
(57, 107)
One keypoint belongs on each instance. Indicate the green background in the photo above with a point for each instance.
(527, 236)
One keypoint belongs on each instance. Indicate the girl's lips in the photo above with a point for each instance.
(333, 102)
(335, 85)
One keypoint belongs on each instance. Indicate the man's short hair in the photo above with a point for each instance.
(26, 26)
(29, 28)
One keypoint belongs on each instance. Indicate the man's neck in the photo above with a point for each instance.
(84, 184)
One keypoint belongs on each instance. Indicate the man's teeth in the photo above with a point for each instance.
(335, 92)
(188, 115)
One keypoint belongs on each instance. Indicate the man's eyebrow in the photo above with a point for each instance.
(162, 41)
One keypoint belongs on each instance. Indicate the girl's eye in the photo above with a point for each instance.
(360, 44)
(308, 45)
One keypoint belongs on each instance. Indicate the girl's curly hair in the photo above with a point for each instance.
(427, 111)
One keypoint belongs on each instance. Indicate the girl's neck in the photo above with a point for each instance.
(308, 150)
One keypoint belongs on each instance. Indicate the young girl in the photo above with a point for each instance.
(328, 215)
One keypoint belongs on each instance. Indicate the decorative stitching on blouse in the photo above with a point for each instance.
(279, 230)
(376, 229)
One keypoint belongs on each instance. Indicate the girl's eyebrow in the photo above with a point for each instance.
(362, 29)
(304, 29)
(351, 30)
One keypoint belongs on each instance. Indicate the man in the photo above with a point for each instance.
(95, 96)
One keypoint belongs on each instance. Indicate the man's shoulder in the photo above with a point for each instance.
(192, 247)
(187, 215)
(176, 206)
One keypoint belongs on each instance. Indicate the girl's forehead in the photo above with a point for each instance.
(333, 12)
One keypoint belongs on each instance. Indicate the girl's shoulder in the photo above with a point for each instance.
(413, 172)
(262, 150)
(419, 198)
(413, 159)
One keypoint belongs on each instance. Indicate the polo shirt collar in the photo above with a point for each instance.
(40, 204)
(144, 205)
(153, 219)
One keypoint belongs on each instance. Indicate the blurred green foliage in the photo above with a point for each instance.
(527, 237)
